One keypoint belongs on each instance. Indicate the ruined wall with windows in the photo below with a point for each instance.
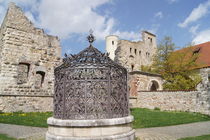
(28, 57)
(130, 54)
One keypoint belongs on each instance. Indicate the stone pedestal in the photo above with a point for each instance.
(99, 129)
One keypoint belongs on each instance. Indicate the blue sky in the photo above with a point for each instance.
(186, 21)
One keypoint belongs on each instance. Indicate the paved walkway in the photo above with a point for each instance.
(156, 133)
(174, 132)
(19, 131)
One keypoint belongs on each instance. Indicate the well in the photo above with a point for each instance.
(90, 99)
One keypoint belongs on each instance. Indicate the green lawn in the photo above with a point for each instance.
(204, 137)
(143, 118)
(5, 137)
(37, 119)
(153, 118)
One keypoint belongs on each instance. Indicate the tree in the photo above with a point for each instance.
(178, 68)
(160, 60)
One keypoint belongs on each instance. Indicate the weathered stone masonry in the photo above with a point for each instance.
(193, 101)
(27, 60)
(144, 81)
(130, 54)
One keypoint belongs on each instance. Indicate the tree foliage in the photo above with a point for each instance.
(176, 67)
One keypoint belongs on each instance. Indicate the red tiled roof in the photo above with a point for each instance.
(203, 51)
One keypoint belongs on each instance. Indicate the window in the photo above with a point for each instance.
(112, 42)
(23, 72)
(130, 50)
(209, 77)
(196, 51)
(39, 79)
(147, 54)
(139, 52)
(135, 51)
(150, 39)
(132, 67)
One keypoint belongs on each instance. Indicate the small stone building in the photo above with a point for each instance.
(28, 57)
(143, 81)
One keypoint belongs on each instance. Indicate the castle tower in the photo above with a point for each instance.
(111, 45)
(149, 40)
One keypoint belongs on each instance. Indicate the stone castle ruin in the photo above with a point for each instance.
(28, 57)
(132, 55)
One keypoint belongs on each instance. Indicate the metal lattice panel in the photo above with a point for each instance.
(90, 85)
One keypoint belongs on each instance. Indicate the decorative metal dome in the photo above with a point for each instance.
(90, 85)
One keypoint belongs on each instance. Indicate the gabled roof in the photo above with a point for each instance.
(203, 51)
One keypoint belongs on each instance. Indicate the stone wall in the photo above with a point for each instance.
(28, 57)
(132, 55)
(26, 103)
(192, 101)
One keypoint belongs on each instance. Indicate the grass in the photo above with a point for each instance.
(5, 137)
(144, 118)
(36, 119)
(204, 137)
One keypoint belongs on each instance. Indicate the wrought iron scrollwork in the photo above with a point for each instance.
(90, 85)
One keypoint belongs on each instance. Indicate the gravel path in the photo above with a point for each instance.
(155, 133)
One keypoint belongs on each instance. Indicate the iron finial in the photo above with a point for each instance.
(90, 37)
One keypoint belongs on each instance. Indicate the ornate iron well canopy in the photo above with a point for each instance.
(90, 85)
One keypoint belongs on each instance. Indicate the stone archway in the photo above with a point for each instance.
(154, 86)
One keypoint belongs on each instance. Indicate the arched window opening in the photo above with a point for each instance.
(39, 79)
(22, 73)
(154, 86)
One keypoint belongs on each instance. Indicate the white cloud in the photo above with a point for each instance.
(30, 16)
(2, 13)
(202, 37)
(159, 15)
(154, 28)
(128, 35)
(30, 4)
(172, 1)
(196, 14)
(64, 18)
(194, 29)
